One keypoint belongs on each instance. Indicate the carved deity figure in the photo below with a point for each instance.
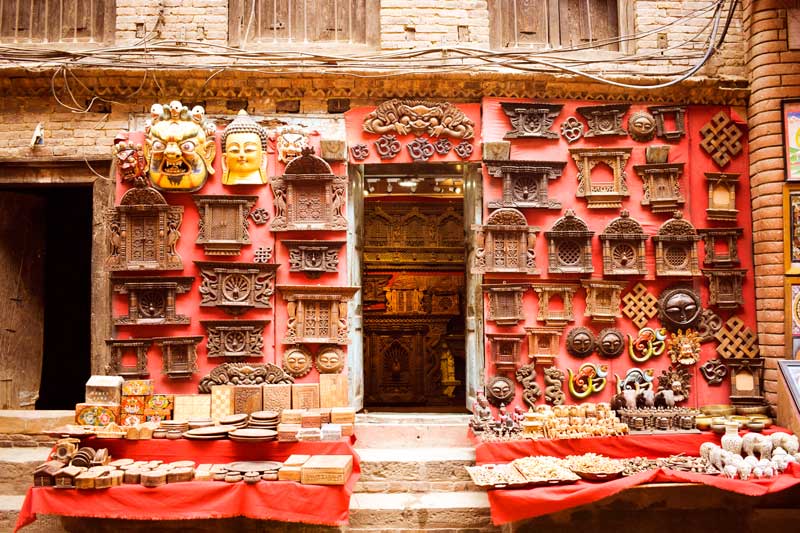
(481, 413)
(244, 148)
(290, 143)
(178, 151)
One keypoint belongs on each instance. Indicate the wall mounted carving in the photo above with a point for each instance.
(678, 120)
(727, 253)
(244, 374)
(359, 151)
(545, 292)
(308, 196)
(422, 237)
(714, 371)
(639, 305)
(297, 361)
(526, 376)
(236, 287)
(223, 223)
(129, 159)
(290, 143)
(143, 232)
(662, 191)
(387, 146)
(405, 116)
(244, 152)
(647, 344)
(316, 314)
(684, 347)
(590, 378)
(505, 302)
(260, 216)
(178, 356)
(372, 288)
(725, 287)
(708, 325)
(603, 299)
(679, 307)
(505, 350)
(505, 244)
(151, 300)
(543, 344)
(722, 196)
(118, 348)
(642, 126)
(721, 139)
(623, 247)
(604, 119)
(420, 149)
(581, 342)
(610, 343)
(464, 149)
(677, 380)
(313, 258)
(500, 390)
(262, 254)
(572, 129)
(235, 338)
(569, 246)
(525, 183)
(442, 146)
(676, 248)
(602, 194)
(747, 376)
(330, 360)
(531, 120)
(553, 379)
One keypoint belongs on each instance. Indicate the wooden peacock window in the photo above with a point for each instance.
(623, 247)
(722, 196)
(223, 222)
(235, 338)
(119, 349)
(721, 246)
(505, 244)
(144, 232)
(308, 196)
(316, 314)
(505, 302)
(151, 300)
(569, 246)
(178, 356)
(525, 183)
(601, 193)
(552, 315)
(603, 299)
(676, 248)
(662, 191)
(236, 287)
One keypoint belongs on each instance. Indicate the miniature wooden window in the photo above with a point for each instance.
(676, 248)
(223, 223)
(623, 247)
(301, 22)
(603, 299)
(505, 303)
(235, 338)
(746, 381)
(152, 300)
(178, 356)
(555, 23)
(569, 246)
(236, 287)
(316, 314)
(120, 361)
(505, 244)
(57, 21)
(313, 258)
(722, 196)
(662, 192)
(505, 351)
(601, 193)
(552, 315)
(525, 183)
(721, 246)
(725, 287)
(664, 115)
(543, 344)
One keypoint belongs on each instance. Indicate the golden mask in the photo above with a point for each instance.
(244, 148)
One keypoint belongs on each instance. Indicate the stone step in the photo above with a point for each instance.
(33, 422)
(17, 466)
(9, 511)
(402, 430)
(415, 469)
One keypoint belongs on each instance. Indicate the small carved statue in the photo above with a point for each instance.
(580, 342)
(330, 360)
(481, 413)
(500, 390)
(611, 343)
(244, 148)
(297, 362)
(506, 424)
(553, 378)
(526, 375)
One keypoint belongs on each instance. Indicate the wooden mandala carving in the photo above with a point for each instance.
(235, 338)
(236, 287)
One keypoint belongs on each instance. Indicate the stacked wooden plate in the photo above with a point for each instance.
(180, 425)
(264, 420)
(253, 435)
(242, 467)
(208, 433)
(239, 421)
(195, 423)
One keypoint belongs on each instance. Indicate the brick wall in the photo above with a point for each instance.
(773, 76)
(421, 23)
(182, 20)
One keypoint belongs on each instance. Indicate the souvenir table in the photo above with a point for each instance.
(268, 500)
(520, 504)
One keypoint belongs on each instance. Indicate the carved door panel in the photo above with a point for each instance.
(395, 367)
(143, 239)
(22, 237)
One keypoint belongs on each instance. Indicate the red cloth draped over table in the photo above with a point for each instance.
(273, 500)
(513, 505)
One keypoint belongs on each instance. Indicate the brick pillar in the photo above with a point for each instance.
(774, 74)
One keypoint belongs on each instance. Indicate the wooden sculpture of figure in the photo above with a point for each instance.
(506, 426)
(447, 366)
(244, 149)
(481, 413)
(178, 152)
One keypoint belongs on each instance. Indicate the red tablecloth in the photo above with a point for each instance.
(513, 505)
(274, 500)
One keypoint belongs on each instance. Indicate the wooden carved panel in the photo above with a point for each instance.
(505, 350)
(418, 117)
(543, 344)
(235, 338)
(721, 139)
(316, 314)
(722, 196)
(747, 377)
(531, 120)
(676, 248)
(118, 348)
(725, 287)
(505, 244)
(373, 287)
(505, 303)
(236, 287)
(623, 247)
(603, 299)
(223, 222)
(151, 300)
(727, 253)
(662, 192)
(143, 232)
(569, 246)
(604, 119)
(601, 194)
(244, 374)
(313, 258)
(419, 237)
(525, 183)
(545, 293)
(178, 356)
(678, 120)
(308, 196)
(640, 305)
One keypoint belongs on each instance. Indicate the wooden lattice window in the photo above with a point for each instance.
(303, 21)
(558, 23)
(57, 21)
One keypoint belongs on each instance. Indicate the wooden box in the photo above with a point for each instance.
(132, 405)
(289, 473)
(347, 430)
(247, 399)
(137, 387)
(277, 397)
(305, 396)
(44, 475)
(343, 415)
(288, 432)
(104, 389)
(324, 416)
(327, 470)
(310, 419)
(90, 414)
(65, 478)
(160, 402)
(152, 415)
(333, 390)
(292, 416)
(188, 406)
(221, 401)
(296, 460)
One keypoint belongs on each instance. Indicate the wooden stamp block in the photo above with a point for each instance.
(333, 390)
(305, 396)
(292, 416)
(137, 387)
(277, 397)
(310, 419)
(188, 406)
(221, 401)
(343, 415)
(247, 399)
(327, 469)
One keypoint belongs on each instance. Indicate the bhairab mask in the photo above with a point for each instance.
(130, 160)
(178, 152)
(244, 148)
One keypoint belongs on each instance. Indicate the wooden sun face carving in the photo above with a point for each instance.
(297, 362)
(330, 360)
(581, 342)
(679, 308)
(500, 390)
(610, 343)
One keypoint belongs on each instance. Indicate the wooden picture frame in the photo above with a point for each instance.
(791, 138)
(791, 228)
(792, 317)
(791, 373)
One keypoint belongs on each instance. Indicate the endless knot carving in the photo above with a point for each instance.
(420, 149)
(260, 216)
(359, 151)
(464, 149)
(572, 129)
(737, 341)
(262, 255)
(244, 374)
(714, 371)
(640, 305)
(531, 120)
(437, 119)
(387, 146)
(721, 139)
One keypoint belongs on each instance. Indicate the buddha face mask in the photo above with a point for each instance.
(244, 146)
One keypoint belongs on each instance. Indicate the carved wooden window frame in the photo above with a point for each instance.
(305, 303)
(725, 287)
(543, 353)
(531, 120)
(678, 120)
(505, 350)
(622, 237)
(234, 339)
(606, 194)
(718, 258)
(569, 237)
(313, 258)
(520, 176)
(660, 182)
(139, 290)
(604, 120)
(599, 291)
(117, 349)
(676, 235)
(236, 287)
(308, 173)
(509, 228)
(725, 183)
(754, 367)
(235, 213)
(178, 355)
(506, 303)
(544, 292)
